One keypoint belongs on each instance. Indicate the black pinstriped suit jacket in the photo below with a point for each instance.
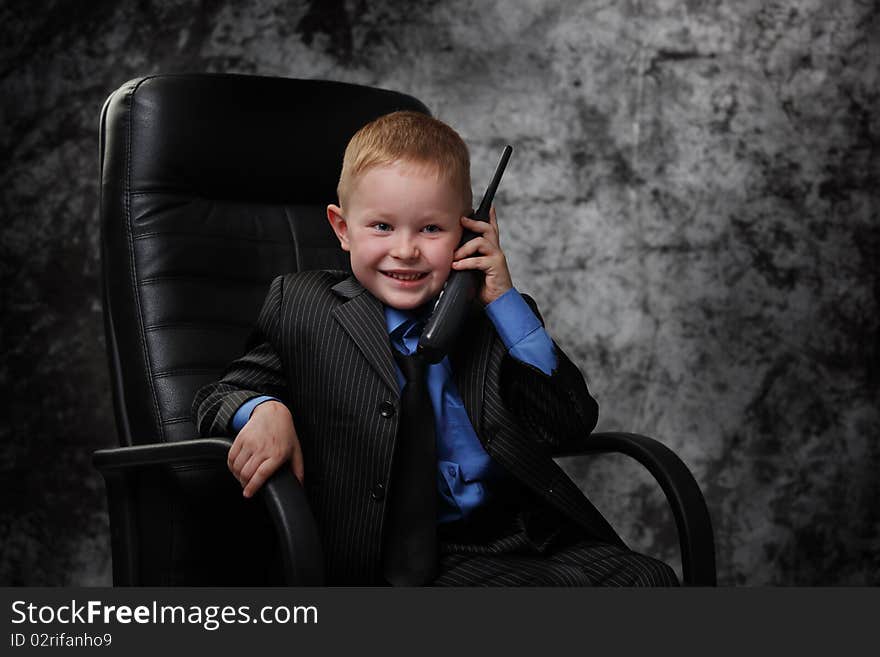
(322, 346)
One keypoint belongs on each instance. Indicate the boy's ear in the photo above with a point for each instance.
(338, 224)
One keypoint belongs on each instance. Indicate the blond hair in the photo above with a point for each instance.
(414, 138)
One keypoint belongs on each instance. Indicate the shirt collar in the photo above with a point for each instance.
(394, 317)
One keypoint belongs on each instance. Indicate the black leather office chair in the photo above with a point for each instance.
(211, 185)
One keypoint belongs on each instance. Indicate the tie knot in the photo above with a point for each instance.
(413, 366)
(405, 337)
(412, 328)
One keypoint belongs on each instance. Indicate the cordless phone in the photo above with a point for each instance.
(461, 287)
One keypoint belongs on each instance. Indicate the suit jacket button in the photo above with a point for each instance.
(378, 492)
(386, 409)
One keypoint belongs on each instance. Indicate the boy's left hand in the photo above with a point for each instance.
(490, 261)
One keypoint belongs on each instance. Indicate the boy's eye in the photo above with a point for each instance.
(433, 228)
(381, 226)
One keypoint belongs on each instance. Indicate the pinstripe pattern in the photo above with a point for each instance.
(586, 563)
(515, 556)
(321, 346)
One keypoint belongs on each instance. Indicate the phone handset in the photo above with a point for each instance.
(461, 287)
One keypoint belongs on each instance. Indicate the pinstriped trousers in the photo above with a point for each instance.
(565, 557)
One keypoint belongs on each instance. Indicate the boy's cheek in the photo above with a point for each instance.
(442, 276)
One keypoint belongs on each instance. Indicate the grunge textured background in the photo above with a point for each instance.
(693, 200)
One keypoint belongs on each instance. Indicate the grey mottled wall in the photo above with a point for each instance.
(693, 200)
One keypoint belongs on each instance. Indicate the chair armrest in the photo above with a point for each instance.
(121, 458)
(282, 494)
(682, 493)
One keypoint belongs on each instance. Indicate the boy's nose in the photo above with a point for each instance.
(406, 249)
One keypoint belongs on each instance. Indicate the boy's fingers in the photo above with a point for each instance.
(296, 462)
(476, 225)
(493, 221)
(472, 263)
(252, 486)
(487, 230)
(476, 245)
(465, 250)
(248, 469)
(233, 452)
(262, 473)
(239, 462)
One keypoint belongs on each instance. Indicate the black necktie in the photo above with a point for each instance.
(411, 544)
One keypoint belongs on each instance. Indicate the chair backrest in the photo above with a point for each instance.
(211, 185)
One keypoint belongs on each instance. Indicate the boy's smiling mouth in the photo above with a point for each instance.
(405, 275)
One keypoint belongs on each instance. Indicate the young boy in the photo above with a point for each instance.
(319, 390)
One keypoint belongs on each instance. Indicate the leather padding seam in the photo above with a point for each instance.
(177, 420)
(133, 267)
(213, 237)
(216, 325)
(207, 277)
(184, 371)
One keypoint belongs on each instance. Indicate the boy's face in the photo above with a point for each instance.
(401, 225)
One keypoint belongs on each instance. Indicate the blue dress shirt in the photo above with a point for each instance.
(464, 469)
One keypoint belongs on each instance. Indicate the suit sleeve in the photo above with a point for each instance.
(258, 372)
(557, 407)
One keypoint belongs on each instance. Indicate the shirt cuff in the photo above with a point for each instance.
(521, 331)
(243, 414)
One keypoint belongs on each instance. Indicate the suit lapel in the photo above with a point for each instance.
(362, 318)
(470, 362)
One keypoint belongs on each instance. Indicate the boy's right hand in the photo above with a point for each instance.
(265, 442)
